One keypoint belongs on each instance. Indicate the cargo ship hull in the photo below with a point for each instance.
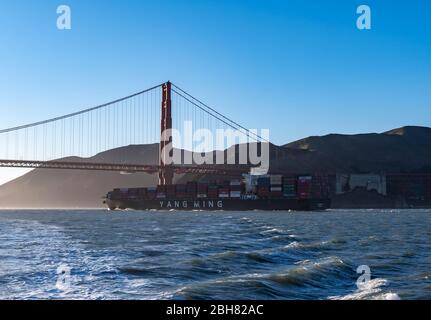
(220, 204)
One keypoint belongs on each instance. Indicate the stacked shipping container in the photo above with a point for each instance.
(320, 186)
(235, 189)
(304, 187)
(202, 190)
(213, 191)
(161, 192)
(267, 186)
(289, 187)
(192, 188)
(276, 190)
(181, 191)
(263, 186)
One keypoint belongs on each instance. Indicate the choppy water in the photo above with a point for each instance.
(141, 255)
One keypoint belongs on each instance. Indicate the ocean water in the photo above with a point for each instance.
(224, 255)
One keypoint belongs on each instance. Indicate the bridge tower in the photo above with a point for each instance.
(166, 173)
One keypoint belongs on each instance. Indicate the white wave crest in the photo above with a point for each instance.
(371, 290)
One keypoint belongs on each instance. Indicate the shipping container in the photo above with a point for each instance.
(320, 186)
(304, 187)
(289, 187)
(181, 195)
(171, 187)
(263, 191)
(276, 179)
(151, 194)
(235, 194)
(235, 183)
(264, 181)
(274, 186)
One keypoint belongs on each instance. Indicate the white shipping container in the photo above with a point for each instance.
(276, 177)
(276, 189)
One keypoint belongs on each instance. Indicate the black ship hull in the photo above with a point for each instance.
(220, 204)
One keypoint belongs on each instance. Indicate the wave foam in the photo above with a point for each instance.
(372, 290)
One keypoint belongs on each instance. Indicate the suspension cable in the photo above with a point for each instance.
(247, 132)
(79, 112)
(215, 111)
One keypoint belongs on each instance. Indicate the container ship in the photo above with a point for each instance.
(267, 193)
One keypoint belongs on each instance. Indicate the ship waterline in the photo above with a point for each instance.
(217, 204)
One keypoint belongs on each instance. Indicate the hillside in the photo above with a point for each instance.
(406, 149)
(49, 188)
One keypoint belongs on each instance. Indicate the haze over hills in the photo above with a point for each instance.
(406, 149)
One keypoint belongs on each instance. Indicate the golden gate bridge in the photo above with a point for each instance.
(68, 141)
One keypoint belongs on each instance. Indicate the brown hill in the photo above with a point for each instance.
(49, 188)
(406, 149)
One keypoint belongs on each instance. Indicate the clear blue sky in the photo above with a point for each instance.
(299, 68)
